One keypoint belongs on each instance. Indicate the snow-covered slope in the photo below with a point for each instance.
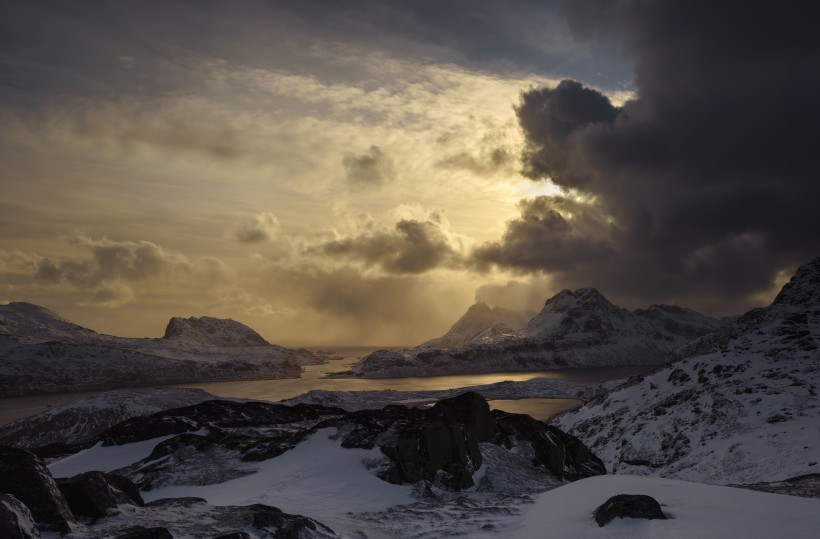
(741, 404)
(82, 419)
(694, 510)
(41, 352)
(480, 324)
(28, 320)
(574, 329)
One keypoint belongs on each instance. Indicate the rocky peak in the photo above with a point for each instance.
(803, 289)
(478, 308)
(583, 297)
(213, 331)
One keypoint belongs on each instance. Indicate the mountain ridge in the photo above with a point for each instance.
(41, 352)
(578, 328)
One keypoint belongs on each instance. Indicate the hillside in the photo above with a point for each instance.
(40, 352)
(740, 405)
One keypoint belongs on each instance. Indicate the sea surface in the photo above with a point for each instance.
(316, 377)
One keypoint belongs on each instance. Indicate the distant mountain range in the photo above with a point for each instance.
(41, 352)
(578, 328)
(739, 405)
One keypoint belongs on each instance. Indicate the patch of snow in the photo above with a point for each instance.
(696, 510)
(318, 478)
(104, 459)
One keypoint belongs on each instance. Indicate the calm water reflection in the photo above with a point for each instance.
(314, 378)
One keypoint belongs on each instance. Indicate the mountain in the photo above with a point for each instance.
(40, 352)
(212, 331)
(578, 328)
(35, 322)
(739, 405)
(480, 324)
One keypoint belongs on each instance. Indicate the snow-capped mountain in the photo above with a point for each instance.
(480, 324)
(41, 352)
(574, 329)
(740, 405)
(27, 320)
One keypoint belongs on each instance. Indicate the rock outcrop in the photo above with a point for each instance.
(25, 477)
(16, 521)
(92, 494)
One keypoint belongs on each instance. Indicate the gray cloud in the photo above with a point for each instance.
(369, 169)
(411, 247)
(262, 227)
(553, 234)
(709, 176)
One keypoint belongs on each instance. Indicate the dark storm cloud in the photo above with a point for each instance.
(412, 247)
(369, 169)
(50, 49)
(711, 174)
(542, 238)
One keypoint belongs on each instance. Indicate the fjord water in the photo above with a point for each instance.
(315, 377)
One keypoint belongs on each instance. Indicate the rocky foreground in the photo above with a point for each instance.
(102, 485)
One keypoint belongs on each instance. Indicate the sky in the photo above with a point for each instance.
(361, 172)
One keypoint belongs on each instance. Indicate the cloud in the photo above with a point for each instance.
(116, 272)
(708, 176)
(552, 234)
(411, 247)
(369, 169)
(262, 227)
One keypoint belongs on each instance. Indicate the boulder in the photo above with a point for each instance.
(562, 454)
(628, 506)
(441, 446)
(92, 494)
(25, 477)
(16, 521)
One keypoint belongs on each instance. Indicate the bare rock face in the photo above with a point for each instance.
(25, 477)
(16, 521)
(92, 494)
(213, 331)
(441, 445)
(628, 506)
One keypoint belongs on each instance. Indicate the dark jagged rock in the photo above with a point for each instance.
(628, 506)
(234, 535)
(468, 409)
(16, 521)
(25, 477)
(219, 414)
(92, 494)
(565, 456)
(141, 532)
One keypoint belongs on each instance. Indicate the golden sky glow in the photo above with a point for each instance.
(361, 172)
